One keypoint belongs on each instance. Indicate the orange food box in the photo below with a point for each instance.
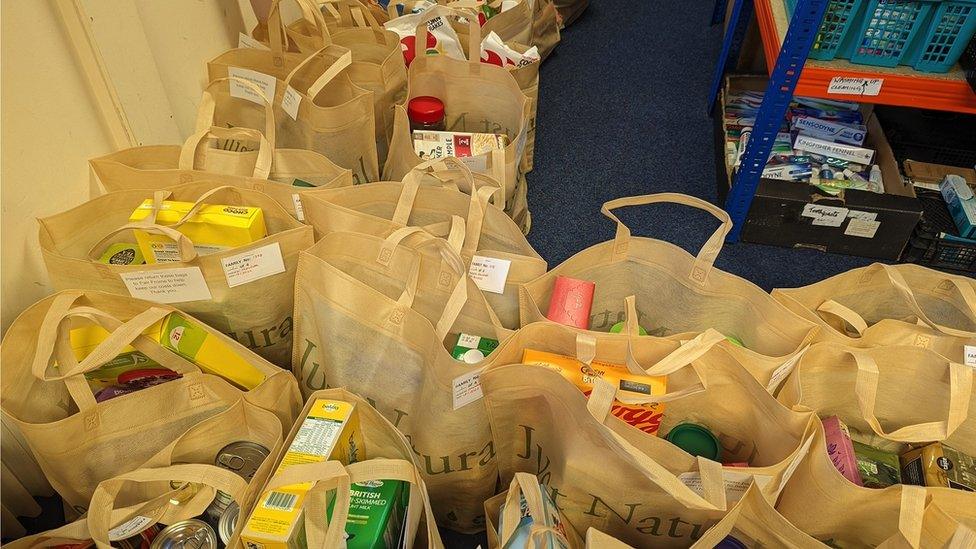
(646, 417)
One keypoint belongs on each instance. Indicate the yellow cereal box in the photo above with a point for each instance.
(213, 228)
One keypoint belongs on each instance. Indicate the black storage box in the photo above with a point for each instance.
(867, 224)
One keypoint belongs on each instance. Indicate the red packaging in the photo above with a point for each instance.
(841, 449)
(571, 302)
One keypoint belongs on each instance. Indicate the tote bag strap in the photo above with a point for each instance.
(411, 185)
(352, 13)
(526, 486)
(343, 59)
(474, 30)
(278, 33)
(262, 165)
(206, 112)
(960, 392)
(706, 256)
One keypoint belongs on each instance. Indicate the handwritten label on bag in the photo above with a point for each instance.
(168, 285)
(245, 41)
(467, 389)
(476, 163)
(862, 228)
(736, 483)
(489, 273)
(843, 85)
(783, 371)
(290, 102)
(253, 265)
(866, 216)
(263, 81)
(970, 355)
(299, 209)
(826, 216)
(130, 528)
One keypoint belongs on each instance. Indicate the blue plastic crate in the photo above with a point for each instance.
(951, 26)
(840, 18)
(886, 32)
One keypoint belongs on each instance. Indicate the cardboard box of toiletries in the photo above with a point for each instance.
(798, 215)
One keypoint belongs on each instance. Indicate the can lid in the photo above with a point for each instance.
(186, 533)
(228, 522)
(425, 110)
(729, 542)
(619, 328)
(696, 440)
(243, 457)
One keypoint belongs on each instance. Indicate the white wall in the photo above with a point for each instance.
(154, 54)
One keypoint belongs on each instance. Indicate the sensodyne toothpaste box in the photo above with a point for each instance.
(830, 131)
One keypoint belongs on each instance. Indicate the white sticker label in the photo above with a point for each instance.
(784, 370)
(866, 216)
(131, 527)
(970, 355)
(468, 341)
(736, 483)
(843, 85)
(168, 285)
(263, 81)
(253, 265)
(862, 228)
(245, 41)
(290, 102)
(467, 389)
(299, 209)
(489, 273)
(827, 216)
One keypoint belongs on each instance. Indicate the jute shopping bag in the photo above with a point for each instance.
(386, 455)
(676, 292)
(506, 511)
(891, 394)
(891, 305)
(823, 503)
(253, 305)
(478, 98)
(607, 474)
(79, 441)
(316, 107)
(490, 235)
(363, 301)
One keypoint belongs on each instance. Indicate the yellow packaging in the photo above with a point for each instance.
(213, 228)
(646, 417)
(213, 356)
(330, 430)
(84, 340)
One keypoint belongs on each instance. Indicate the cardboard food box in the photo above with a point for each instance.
(330, 430)
(192, 342)
(939, 465)
(471, 148)
(855, 222)
(377, 509)
(646, 417)
(472, 349)
(877, 468)
(213, 228)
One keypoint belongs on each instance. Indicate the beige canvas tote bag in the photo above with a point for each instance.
(253, 305)
(78, 441)
(363, 301)
(891, 305)
(891, 394)
(425, 199)
(677, 293)
(388, 456)
(608, 475)
(478, 98)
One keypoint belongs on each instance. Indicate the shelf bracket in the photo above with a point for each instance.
(772, 111)
(739, 19)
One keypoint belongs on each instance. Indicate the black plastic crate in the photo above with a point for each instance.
(926, 248)
(937, 137)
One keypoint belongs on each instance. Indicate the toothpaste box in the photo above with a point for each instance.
(962, 204)
(833, 150)
(330, 430)
(830, 131)
(377, 509)
(213, 228)
(841, 449)
(213, 356)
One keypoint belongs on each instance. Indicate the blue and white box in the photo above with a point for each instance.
(959, 197)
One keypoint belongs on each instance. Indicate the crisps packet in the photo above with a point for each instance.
(495, 52)
(441, 40)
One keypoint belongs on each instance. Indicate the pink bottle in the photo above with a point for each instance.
(571, 302)
(841, 449)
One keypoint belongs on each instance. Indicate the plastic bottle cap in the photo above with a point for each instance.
(730, 542)
(425, 110)
(619, 328)
(696, 440)
(473, 356)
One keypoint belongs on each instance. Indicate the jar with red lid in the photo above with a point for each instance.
(426, 113)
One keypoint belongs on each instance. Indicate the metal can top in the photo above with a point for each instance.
(186, 534)
(243, 457)
(228, 522)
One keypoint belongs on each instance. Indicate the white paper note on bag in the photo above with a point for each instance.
(467, 389)
(489, 273)
(265, 82)
(290, 102)
(253, 265)
(167, 285)
(245, 41)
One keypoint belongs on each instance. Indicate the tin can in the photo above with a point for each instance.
(218, 507)
(186, 533)
(243, 457)
(228, 522)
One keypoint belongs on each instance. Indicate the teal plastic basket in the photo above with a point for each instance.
(886, 32)
(839, 19)
(952, 25)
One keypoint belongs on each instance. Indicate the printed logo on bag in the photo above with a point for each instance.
(396, 317)
(945, 286)
(385, 255)
(698, 274)
(196, 391)
(922, 340)
(91, 421)
(185, 178)
(444, 280)
(266, 337)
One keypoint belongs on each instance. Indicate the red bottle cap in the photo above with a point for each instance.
(425, 110)
(146, 373)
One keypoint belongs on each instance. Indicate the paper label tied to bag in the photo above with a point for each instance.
(736, 483)
(167, 285)
(467, 389)
(969, 355)
(253, 265)
(290, 102)
(299, 209)
(862, 228)
(131, 527)
(826, 216)
(843, 85)
(245, 41)
(265, 82)
(489, 273)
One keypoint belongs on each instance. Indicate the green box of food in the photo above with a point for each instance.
(878, 469)
(377, 509)
(473, 349)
